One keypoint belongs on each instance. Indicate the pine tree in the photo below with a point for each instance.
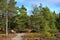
(3, 7)
(58, 22)
(21, 19)
(12, 11)
(52, 23)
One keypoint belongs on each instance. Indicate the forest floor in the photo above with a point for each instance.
(28, 36)
(17, 36)
(39, 36)
(4, 37)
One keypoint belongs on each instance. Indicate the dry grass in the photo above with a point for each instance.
(4, 37)
(37, 36)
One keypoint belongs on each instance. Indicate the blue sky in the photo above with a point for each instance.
(52, 4)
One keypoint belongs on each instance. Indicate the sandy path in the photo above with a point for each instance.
(18, 37)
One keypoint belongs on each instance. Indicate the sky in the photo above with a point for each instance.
(53, 5)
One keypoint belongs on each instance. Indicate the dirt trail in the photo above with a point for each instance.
(18, 37)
